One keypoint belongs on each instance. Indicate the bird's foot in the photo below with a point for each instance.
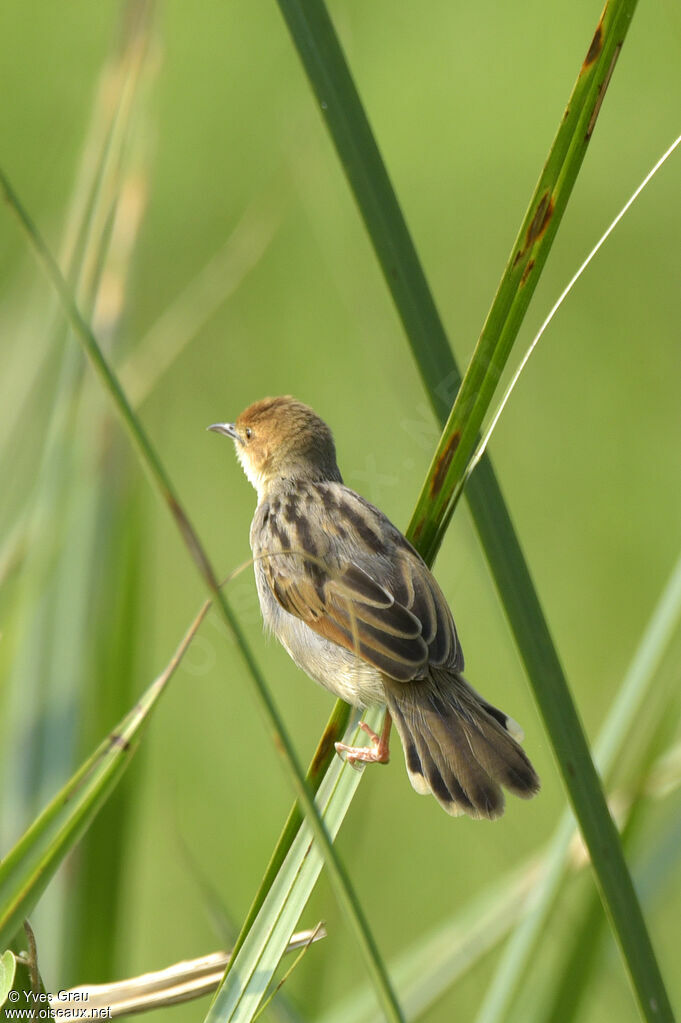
(377, 753)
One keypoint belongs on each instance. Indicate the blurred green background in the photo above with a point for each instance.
(227, 159)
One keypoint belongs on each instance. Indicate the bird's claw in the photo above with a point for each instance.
(357, 756)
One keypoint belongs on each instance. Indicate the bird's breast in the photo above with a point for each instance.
(332, 666)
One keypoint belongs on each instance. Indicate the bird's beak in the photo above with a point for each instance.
(228, 429)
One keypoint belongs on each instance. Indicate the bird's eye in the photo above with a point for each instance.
(248, 432)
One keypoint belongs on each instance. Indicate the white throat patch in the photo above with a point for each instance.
(254, 478)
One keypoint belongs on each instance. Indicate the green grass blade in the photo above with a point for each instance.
(161, 481)
(324, 756)
(28, 867)
(567, 984)
(91, 928)
(322, 57)
(253, 966)
(621, 720)
(524, 899)
(321, 54)
(583, 785)
(430, 967)
(191, 534)
(580, 958)
(180, 982)
(22, 992)
(8, 969)
(47, 738)
(661, 862)
(526, 261)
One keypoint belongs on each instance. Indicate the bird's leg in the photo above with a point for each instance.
(379, 750)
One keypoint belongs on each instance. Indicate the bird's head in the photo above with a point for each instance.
(281, 439)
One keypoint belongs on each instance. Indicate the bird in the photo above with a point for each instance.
(359, 611)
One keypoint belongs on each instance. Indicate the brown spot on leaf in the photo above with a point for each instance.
(443, 463)
(540, 220)
(526, 272)
(595, 48)
(537, 226)
(601, 94)
(119, 742)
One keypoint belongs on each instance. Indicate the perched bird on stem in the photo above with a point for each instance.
(360, 612)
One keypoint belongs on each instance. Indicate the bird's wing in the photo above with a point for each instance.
(353, 578)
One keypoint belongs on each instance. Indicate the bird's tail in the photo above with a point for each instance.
(458, 746)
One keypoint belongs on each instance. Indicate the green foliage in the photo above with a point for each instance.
(324, 63)
(94, 586)
(28, 868)
(8, 969)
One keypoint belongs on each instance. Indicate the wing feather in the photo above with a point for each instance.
(353, 578)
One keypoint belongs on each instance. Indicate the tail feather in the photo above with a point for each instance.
(458, 746)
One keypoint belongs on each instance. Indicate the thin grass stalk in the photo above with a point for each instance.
(579, 272)
(538, 883)
(104, 139)
(324, 62)
(72, 919)
(621, 720)
(580, 960)
(437, 959)
(49, 497)
(582, 951)
(95, 165)
(526, 261)
(582, 782)
(91, 932)
(29, 866)
(254, 966)
(181, 982)
(333, 732)
(91, 926)
(162, 483)
(51, 667)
